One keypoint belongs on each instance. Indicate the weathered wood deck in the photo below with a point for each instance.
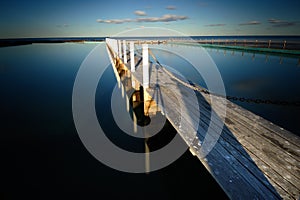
(252, 158)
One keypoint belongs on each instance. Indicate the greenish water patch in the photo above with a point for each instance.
(285, 52)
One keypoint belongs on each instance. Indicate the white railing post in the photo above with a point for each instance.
(132, 64)
(145, 66)
(115, 46)
(120, 48)
(124, 51)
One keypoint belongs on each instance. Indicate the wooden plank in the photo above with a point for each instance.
(290, 155)
(291, 138)
(248, 163)
(293, 180)
(233, 119)
(279, 182)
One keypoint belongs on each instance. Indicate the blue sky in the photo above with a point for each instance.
(68, 18)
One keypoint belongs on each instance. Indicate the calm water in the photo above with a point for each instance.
(42, 155)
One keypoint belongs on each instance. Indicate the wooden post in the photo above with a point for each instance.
(147, 98)
(132, 64)
(120, 49)
(124, 51)
(145, 66)
(269, 44)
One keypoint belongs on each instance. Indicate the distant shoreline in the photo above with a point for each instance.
(28, 41)
(258, 42)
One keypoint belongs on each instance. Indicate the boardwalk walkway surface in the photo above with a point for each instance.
(251, 158)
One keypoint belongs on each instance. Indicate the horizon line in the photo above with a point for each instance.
(81, 37)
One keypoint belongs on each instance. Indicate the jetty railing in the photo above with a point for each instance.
(255, 43)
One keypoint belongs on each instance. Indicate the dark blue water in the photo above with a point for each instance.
(42, 155)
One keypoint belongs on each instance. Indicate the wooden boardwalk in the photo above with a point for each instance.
(252, 157)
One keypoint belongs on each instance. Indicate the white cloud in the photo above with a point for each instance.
(140, 13)
(275, 21)
(281, 23)
(250, 23)
(164, 18)
(114, 21)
